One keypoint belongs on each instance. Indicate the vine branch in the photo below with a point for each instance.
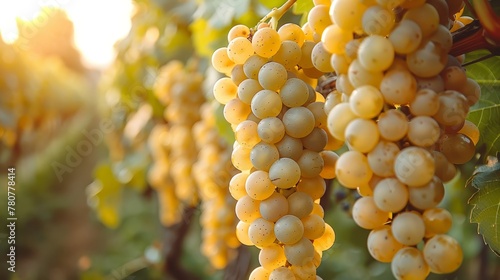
(276, 14)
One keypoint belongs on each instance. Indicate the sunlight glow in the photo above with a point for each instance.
(97, 24)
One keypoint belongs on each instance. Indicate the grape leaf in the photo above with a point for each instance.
(272, 3)
(486, 113)
(486, 201)
(302, 6)
(107, 195)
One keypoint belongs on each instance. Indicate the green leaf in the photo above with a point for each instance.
(272, 3)
(486, 113)
(486, 201)
(302, 6)
(108, 195)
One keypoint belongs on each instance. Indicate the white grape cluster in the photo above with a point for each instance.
(400, 106)
(172, 144)
(282, 149)
(212, 172)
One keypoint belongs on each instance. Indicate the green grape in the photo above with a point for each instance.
(442, 36)
(425, 16)
(266, 42)
(381, 158)
(298, 121)
(414, 166)
(437, 221)
(408, 228)
(274, 207)
(258, 185)
(272, 76)
(390, 195)
(360, 76)
(423, 131)
(378, 20)
(392, 125)
(261, 232)
(300, 204)
(240, 158)
(310, 163)
(235, 111)
(376, 53)
(237, 74)
(362, 135)
(272, 257)
(282, 273)
(409, 263)
(265, 104)
(326, 240)
(314, 226)
(316, 140)
(263, 155)
(289, 147)
(320, 58)
(289, 229)
(340, 63)
(284, 173)
(330, 160)
(292, 32)
(271, 130)
(427, 61)
(247, 89)
(338, 119)
(294, 93)
(406, 37)
(247, 209)
(367, 215)
(288, 55)
(318, 110)
(443, 254)
(334, 40)
(453, 108)
(366, 101)
(348, 14)
(300, 252)
(318, 18)
(305, 58)
(427, 196)
(259, 273)
(237, 185)
(315, 187)
(252, 66)
(398, 87)
(239, 50)
(382, 245)
(352, 169)
(425, 103)
(246, 134)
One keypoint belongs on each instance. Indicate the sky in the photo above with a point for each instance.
(98, 23)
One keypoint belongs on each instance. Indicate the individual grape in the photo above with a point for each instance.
(316, 140)
(314, 226)
(367, 215)
(240, 157)
(437, 221)
(274, 207)
(390, 195)
(318, 18)
(290, 147)
(344, 85)
(309, 34)
(398, 87)
(266, 42)
(414, 166)
(381, 158)
(470, 130)
(247, 89)
(310, 163)
(239, 50)
(318, 110)
(376, 53)
(298, 121)
(472, 91)
(444, 169)
(362, 135)
(315, 187)
(221, 61)
(237, 185)
(382, 245)
(305, 58)
(408, 228)
(330, 160)
(300, 252)
(265, 104)
(259, 273)
(427, 196)
(258, 185)
(306, 270)
(284, 173)
(271, 130)
(427, 61)
(320, 58)
(237, 74)
(225, 90)
(261, 232)
(409, 263)
(458, 148)
(348, 14)
(360, 76)
(272, 76)
(340, 63)
(292, 32)
(453, 108)
(334, 40)
(406, 37)
(326, 240)
(289, 229)
(378, 20)
(294, 93)
(242, 233)
(263, 155)
(288, 55)
(252, 66)
(318, 210)
(425, 103)
(282, 273)
(247, 209)
(443, 254)
(392, 125)
(423, 131)
(246, 134)
(338, 119)
(442, 37)
(426, 17)
(236, 111)
(272, 257)
(352, 169)
(300, 204)
(366, 101)
(238, 30)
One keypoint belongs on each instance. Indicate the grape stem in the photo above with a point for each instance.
(277, 13)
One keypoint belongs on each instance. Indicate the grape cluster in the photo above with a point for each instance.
(282, 149)
(400, 106)
(212, 172)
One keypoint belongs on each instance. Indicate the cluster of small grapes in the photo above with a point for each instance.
(174, 152)
(400, 106)
(279, 124)
(212, 172)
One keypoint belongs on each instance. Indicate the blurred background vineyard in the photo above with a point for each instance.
(89, 212)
